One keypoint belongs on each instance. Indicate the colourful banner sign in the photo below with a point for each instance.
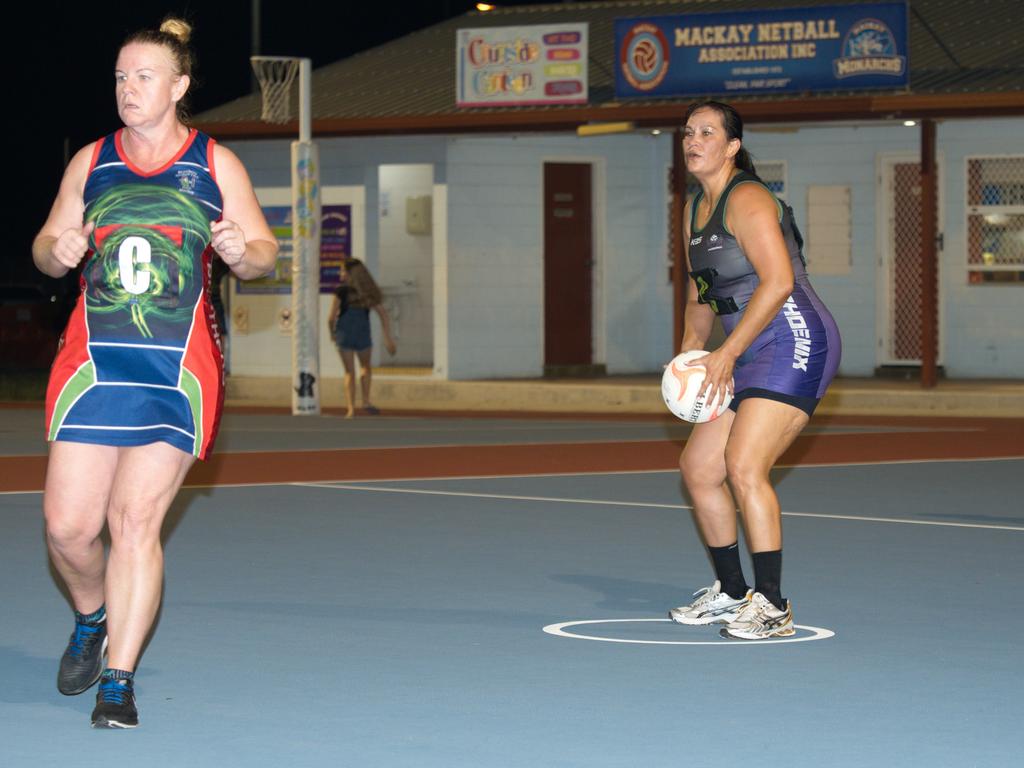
(824, 48)
(335, 247)
(335, 244)
(519, 66)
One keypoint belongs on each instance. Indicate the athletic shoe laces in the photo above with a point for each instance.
(757, 609)
(704, 596)
(114, 691)
(83, 640)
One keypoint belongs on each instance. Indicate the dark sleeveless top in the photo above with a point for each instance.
(724, 276)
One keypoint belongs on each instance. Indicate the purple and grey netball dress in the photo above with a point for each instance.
(795, 358)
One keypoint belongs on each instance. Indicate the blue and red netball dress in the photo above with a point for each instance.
(140, 360)
(795, 358)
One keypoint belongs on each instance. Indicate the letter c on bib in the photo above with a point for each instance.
(134, 250)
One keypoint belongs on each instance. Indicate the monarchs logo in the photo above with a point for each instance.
(644, 57)
(869, 49)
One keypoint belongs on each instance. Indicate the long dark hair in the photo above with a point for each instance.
(733, 124)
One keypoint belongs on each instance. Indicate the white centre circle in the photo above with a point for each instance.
(816, 633)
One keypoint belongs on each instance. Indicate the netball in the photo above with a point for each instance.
(680, 385)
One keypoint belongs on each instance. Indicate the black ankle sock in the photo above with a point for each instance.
(728, 570)
(768, 576)
(92, 619)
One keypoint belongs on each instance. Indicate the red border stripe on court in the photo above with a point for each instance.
(965, 440)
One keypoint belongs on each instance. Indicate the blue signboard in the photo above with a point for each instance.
(825, 48)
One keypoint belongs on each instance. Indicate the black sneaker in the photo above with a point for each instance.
(82, 662)
(115, 704)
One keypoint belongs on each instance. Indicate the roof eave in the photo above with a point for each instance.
(804, 110)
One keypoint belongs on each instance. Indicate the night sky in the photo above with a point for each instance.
(62, 59)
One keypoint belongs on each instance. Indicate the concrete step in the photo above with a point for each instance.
(633, 394)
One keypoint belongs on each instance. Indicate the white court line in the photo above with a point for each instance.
(654, 505)
(510, 497)
(413, 478)
(817, 633)
(905, 521)
(882, 463)
(522, 475)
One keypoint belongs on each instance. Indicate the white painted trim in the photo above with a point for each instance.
(974, 210)
(439, 224)
(273, 196)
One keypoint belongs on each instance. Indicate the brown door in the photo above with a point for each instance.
(901, 345)
(906, 265)
(568, 263)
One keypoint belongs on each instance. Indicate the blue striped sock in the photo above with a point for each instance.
(118, 674)
(92, 619)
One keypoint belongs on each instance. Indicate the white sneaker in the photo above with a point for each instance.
(760, 620)
(711, 606)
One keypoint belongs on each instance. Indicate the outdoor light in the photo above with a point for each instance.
(910, 123)
(484, 7)
(599, 129)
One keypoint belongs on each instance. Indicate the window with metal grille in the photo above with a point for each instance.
(995, 219)
(772, 173)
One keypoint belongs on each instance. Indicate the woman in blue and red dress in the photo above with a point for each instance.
(136, 389)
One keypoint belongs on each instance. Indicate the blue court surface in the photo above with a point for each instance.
(520, 621)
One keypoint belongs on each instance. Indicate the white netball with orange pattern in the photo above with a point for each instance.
(680, 385)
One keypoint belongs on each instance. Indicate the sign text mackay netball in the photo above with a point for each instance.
(787, 50)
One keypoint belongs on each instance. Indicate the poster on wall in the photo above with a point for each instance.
(335, 247)
(335, 244)
(824, 48)
(519, 66)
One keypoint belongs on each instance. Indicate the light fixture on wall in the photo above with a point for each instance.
(484, 7)
(598, 129)
(910, 123)
(656, 132)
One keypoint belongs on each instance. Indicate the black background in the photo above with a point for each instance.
(61, 60)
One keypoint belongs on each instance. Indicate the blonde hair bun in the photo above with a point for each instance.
(177, 28)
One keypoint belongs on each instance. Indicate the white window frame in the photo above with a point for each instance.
(981, 210)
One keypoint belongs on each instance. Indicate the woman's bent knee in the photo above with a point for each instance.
(745, 470)
(70, 529)
(699, 471)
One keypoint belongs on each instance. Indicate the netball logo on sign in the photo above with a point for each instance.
(870, 49)
(644, 57)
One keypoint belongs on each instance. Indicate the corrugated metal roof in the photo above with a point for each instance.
(956, 47)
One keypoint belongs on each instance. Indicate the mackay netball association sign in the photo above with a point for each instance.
(840, 47)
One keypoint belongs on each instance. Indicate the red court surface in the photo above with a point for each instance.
(904, 439)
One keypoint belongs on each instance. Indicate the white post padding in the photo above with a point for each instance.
(305, 278)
